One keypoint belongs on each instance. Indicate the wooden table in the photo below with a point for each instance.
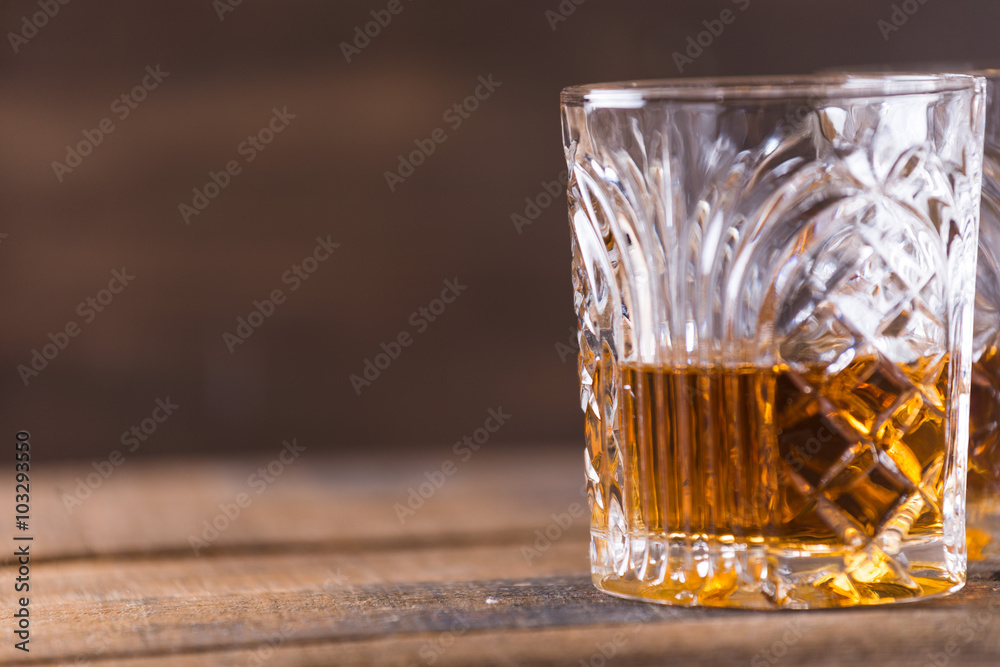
(318, 569)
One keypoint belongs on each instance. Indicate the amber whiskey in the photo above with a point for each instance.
(983, 500)
(844, 466)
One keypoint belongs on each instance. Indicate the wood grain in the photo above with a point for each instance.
(156, 507)
(321, 572)
(366, 608)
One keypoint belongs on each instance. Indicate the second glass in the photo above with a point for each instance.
(774, 283)
(983, 504)
(983, 492)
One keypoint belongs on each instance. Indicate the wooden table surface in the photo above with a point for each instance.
(319, 569)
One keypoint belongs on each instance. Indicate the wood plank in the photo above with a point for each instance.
(369, 608)
(147, 507)
(320, 566)
(809, 641)
(155, 605)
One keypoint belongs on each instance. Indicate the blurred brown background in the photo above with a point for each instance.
(496, 345)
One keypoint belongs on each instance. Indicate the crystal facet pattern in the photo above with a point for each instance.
(775, 300)
(984, 441)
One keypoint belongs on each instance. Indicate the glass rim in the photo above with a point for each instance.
(842, 85)
(989, 69)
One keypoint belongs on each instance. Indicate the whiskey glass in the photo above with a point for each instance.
(774, 281)
(983, 485)
(983, 500)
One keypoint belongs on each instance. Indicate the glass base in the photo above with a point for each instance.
(678, 570)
